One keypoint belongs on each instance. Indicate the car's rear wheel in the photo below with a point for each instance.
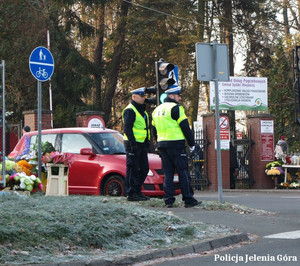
(114, 186)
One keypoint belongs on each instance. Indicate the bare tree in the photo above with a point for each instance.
(114, 68)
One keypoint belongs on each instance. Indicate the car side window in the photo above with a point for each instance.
(73, 143)
(45, 138)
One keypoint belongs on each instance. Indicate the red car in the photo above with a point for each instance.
(99, 165)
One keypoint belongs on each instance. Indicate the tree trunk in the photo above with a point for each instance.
(114, 67)
(229, 41)
(98, 56)
(228, 33)
(196, 84)
(286, 19)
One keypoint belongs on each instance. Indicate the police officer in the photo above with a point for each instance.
(136, 141)
(171, 128)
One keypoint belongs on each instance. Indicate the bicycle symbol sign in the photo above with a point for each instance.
(41, 63)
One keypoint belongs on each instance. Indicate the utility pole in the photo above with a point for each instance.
(3, 179)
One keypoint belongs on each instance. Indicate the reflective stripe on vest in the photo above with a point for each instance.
(139, 125)
(167, 128)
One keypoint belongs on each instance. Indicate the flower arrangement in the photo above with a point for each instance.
(293, 185)
(58, 158)
(19, 177)
(274, 168)
(9, 166)
(25, 167)
(26, 154)
(21, 181)
(284, 184)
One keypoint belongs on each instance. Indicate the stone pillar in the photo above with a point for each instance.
(31, 119)
(83, 118)
(209, 127)
(258, 160)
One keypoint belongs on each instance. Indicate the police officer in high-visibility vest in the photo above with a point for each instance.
(136, 141)
(171, 129)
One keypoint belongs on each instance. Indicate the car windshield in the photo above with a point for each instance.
(110, 143)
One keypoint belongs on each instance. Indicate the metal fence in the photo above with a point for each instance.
(241, 174)
(12, 135)
(198, 163)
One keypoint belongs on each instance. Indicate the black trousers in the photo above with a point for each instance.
(137, 168)
(172, 159)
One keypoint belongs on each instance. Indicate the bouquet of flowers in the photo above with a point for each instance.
(274, 168)
(26, 154)
(56, 157)
(24, 167)
(21, 181)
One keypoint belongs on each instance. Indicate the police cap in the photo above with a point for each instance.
(140, 91)
(175, 90)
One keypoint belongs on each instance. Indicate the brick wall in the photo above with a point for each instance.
(257, 167)
(31, 119)
(83, 117)
(209, 127)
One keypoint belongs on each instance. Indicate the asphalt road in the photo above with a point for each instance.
(267, 249)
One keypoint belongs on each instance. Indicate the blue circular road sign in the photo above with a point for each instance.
(41, 63)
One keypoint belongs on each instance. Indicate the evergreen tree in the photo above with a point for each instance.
(281, 97)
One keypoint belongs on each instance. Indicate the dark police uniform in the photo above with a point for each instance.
(136, 141)
(172, 129)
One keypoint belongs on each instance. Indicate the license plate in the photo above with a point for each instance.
(176, 178)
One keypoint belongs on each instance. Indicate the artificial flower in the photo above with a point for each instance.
(57, 158)
(24, 182)
(26, 167)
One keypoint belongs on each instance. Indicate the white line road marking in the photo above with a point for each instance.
(286, 235)
(213, 196)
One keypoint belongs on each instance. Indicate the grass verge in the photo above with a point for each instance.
(40, 229)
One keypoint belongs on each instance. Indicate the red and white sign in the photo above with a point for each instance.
(224, 134)
(224, 139)
(239, 135)
(224, 122)
(95, 122)
(267, 147)
(267, 140)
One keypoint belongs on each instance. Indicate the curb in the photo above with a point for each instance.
(165, 253)
(199, 193)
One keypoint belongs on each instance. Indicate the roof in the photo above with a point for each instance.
(73, 130)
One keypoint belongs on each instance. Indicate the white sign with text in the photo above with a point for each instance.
(241, 93)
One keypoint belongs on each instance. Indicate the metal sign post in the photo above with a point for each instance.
(217, 118)
(39, 88)
(3, 181)
(213, 64)
(41, 64)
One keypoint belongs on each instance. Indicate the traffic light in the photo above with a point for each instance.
(152, 91)
(164, 77)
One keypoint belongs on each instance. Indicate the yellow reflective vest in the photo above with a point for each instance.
(139, 126)
(167, 128)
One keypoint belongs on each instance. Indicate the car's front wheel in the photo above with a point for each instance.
(114, 186)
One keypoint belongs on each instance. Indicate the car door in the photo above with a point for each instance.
(85, 170)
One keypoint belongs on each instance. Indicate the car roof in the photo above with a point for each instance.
(73, 130)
